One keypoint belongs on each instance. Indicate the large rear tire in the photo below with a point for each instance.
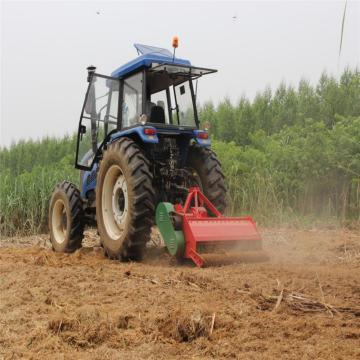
(66, 218)
(208, 170)
(124, 200)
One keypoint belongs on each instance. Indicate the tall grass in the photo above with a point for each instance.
(24, 198)
(297, 175)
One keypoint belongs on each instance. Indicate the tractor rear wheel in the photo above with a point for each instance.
(208, 175)
(66, 218)
(124, 200)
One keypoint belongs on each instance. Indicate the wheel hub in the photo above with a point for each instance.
(119, 200)
(59, 221)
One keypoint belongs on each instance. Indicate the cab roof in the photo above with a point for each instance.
(148, 55)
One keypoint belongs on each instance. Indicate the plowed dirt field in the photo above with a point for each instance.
(304, 303)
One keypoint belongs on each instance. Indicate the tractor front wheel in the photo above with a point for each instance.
(124, 200)
(66, 218)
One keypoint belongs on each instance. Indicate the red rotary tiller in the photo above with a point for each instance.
(198, 226)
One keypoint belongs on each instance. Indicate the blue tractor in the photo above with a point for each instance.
(139, 144)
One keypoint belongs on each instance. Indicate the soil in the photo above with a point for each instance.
(304, 302)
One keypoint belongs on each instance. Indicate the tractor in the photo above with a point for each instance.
(144, 160)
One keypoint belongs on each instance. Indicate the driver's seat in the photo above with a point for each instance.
(157, 115)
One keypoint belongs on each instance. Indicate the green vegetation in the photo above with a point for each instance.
(293, 155)
(28, 173)
(290, 156)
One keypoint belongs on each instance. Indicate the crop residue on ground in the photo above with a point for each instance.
(304, 300)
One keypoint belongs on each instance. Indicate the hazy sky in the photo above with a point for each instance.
(46, 47)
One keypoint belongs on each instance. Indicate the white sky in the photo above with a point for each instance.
(46, 47)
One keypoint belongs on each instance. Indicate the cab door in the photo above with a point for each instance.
(99, 116)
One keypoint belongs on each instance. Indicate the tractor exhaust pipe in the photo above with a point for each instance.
(91, 70)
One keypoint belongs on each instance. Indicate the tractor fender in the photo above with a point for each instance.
(88, 178)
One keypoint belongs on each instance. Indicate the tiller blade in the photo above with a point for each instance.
(198, 227)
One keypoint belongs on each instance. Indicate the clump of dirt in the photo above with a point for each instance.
(196, 280)
(61, 324)
(186, 326)
(88, 327)
(45, 258)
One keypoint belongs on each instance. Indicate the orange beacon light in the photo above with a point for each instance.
(175, 42)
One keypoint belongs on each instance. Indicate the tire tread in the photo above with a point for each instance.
(213, 183)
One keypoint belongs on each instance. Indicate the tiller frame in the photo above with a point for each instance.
(203, 224)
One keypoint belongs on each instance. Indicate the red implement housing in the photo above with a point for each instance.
(200, 228)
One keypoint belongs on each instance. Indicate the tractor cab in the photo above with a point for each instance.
(156, 91)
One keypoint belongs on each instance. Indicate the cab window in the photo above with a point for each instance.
(132, 100)
(157, 108)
